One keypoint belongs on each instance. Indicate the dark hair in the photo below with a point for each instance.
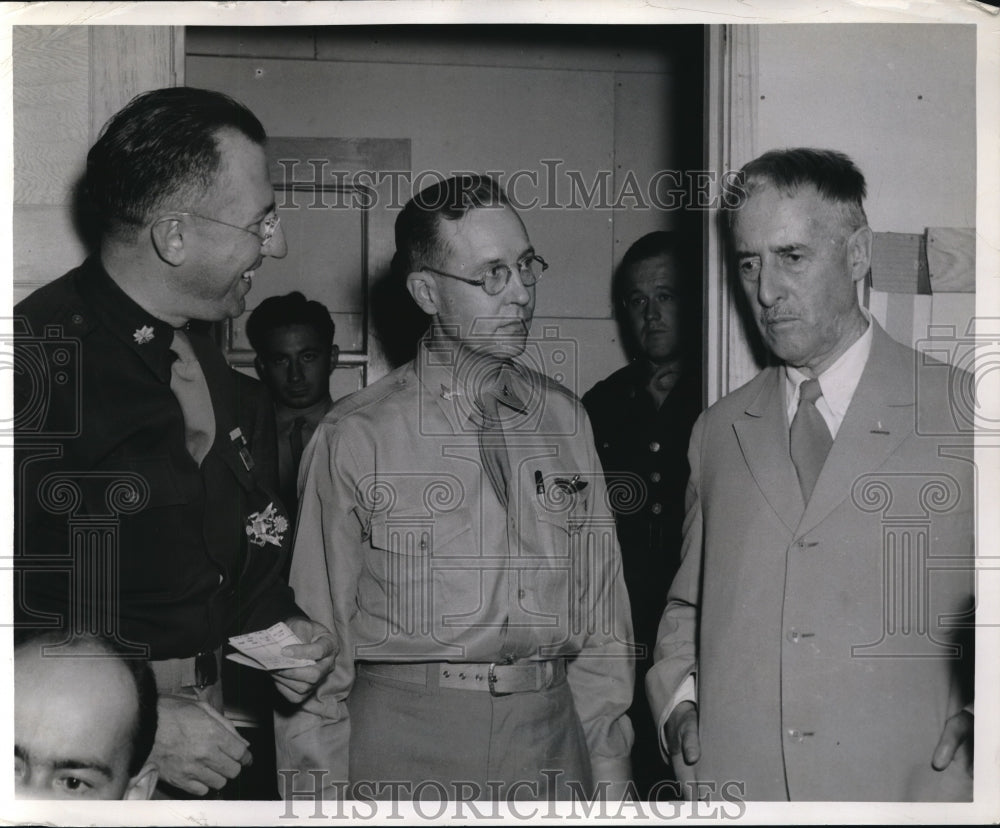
(417, 240)
(291, 309)
(163, 143)
(652, 245)
(144, 729)
(832, 173)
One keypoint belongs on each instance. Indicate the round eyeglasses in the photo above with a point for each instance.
(268, 225)
(494, 281)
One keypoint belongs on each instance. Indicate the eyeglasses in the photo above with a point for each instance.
(268, 225)
(529, 270)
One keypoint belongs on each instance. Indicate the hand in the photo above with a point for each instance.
(296, 683)
(683, 745)
(196, 748)
(955, 743)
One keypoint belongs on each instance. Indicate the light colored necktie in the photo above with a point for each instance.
(809, 438)
(187, 381)
(492, 446)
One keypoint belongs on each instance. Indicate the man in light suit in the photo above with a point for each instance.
(811, 648)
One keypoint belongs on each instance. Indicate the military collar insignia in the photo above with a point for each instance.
(143, 335)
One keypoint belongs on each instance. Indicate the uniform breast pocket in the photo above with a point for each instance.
(412, 571)
(563, 519)
(130, 486)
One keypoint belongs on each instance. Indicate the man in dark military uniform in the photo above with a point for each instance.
(145, 464)
(642, 417)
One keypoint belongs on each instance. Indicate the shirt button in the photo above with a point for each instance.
(654, 447)
(655, 477)
(793, 636)
(795, 735)
(656, 508)
(76, 319)
(521, 593)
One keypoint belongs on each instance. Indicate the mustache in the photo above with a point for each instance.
(769, 316)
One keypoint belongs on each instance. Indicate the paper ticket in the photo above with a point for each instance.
(262, 649)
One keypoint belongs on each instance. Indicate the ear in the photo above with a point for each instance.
(168, 240)
(258, 365)
(859, 252)
(424, 291)
(142, 785)
(334, 356)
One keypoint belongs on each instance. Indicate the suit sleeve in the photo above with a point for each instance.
(602, 676)
(675, 654)
(326, 565)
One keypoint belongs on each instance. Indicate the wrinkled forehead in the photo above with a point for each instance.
(784, 210)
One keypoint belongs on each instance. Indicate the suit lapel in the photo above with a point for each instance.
(879, 418)
(763, 439)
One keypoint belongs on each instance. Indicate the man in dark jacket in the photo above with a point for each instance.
(642, 417)
(144, 486)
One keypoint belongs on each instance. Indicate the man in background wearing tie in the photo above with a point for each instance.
(145, 506)
(808, 650)
(293, 339)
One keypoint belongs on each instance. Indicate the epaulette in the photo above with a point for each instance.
(57, 303)
(392, 383)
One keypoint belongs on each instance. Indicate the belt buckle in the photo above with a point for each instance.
(206, 670)
(491, 676)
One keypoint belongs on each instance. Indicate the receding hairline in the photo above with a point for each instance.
(851, 214)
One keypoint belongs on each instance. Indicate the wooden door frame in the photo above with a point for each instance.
(731, 96)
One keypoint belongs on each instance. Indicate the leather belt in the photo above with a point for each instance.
(498, 678)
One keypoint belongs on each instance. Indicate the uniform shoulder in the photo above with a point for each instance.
(550, 387)
(57, 303)
(367, 399)
(609, 388)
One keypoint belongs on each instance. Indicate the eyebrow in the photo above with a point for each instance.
(83, 764)
(69, 764)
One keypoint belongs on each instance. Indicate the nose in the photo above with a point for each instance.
(276, 247)
(769, 285)
(652, 312)
(517, 293)
(294, 370)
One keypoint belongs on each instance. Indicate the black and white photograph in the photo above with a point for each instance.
(518, 412)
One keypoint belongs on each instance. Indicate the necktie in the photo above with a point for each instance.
(295, 443)
(187, 381)
(809, 438)
(492, 446)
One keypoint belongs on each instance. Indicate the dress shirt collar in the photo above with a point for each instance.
(150, 338)
(285, 416)
(838, 382)
(454, 380)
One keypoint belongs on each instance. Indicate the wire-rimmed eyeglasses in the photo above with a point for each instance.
(530, 270)
(268, 225)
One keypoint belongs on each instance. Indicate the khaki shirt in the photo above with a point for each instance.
(407, 554)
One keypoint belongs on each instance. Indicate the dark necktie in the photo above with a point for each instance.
(187, 381)
(809, 438)
(295, 443)
(492, 446)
